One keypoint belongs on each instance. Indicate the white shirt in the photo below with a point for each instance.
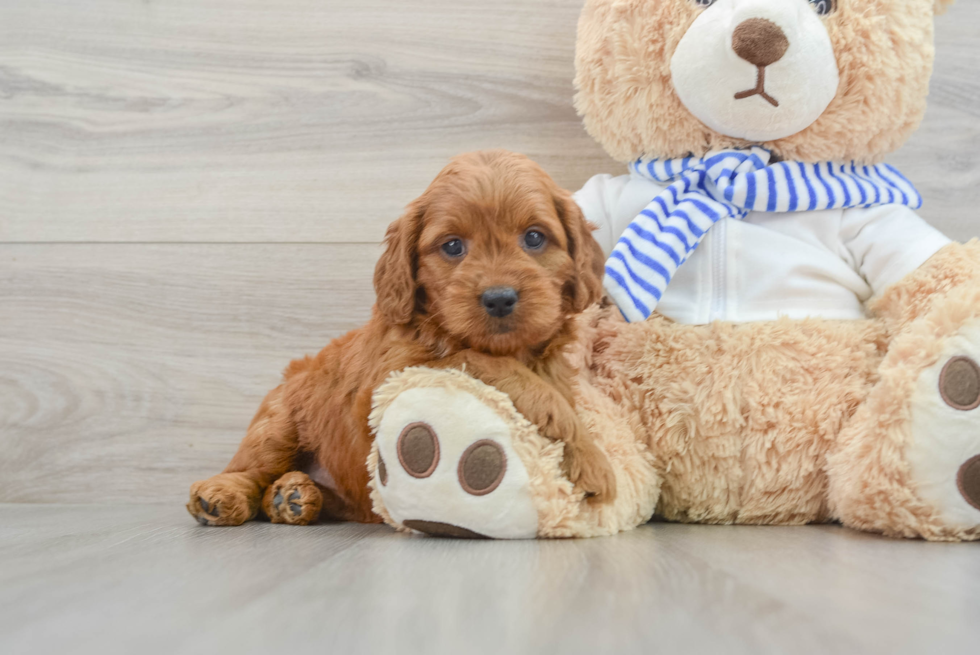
(824, 264)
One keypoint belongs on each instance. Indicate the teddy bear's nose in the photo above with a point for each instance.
(760, 42)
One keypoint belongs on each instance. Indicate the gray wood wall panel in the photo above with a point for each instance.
(191, 194)
(302, 120)
(129, 370)
(943, 157)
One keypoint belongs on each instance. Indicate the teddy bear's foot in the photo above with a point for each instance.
(446, 464)
(944, 449)
(454, 458)
(908, 464)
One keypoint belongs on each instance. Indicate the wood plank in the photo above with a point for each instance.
(943, 157)
(892, 595)
(128, 579)
(145, 578)
(243, 120)
(318, 120)
(129, 371)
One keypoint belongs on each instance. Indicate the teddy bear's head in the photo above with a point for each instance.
(811, 80)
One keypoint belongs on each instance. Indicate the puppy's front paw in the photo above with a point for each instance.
(590, 472)
(584, 464)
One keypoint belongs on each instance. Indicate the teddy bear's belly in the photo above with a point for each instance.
(745, 272)
(742, 417)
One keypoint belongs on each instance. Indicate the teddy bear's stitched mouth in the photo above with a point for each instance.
(759, 90)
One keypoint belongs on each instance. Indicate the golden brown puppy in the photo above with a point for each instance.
(485, 270)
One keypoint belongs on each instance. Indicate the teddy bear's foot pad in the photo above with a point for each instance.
(944, 450)
(447, 467)
(968, 481)
(436, 529)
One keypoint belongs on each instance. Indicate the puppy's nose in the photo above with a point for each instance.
(499, 301)
(760, 42)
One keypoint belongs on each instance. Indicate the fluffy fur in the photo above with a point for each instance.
(884, 53)
(429, 312)
(560, 508)
(788, 422)
(743, 416)
(780, 422)
(793, 422)
(873, 486)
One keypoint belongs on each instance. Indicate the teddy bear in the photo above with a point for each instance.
(783, 341)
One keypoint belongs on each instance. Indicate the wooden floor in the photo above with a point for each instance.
(147, 579)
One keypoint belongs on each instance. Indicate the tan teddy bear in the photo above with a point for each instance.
(789, 343)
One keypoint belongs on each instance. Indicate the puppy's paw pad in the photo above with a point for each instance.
(204, 512)
(293, 499)
(214, 502)
(211, 509)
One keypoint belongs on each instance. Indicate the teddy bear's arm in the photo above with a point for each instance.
(888, 242)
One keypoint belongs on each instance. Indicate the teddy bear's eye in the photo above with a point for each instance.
(704, 3)
(823, 7)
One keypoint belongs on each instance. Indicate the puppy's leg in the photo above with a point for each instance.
(550, 411)
(268, 451)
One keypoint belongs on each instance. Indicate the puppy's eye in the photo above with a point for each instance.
(454, 248)
(534, 240)
(823, 7)
(704, 3)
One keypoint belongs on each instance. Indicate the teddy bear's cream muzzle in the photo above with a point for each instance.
(758, 70)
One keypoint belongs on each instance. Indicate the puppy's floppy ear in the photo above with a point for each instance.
(586, 286)
(394, 276)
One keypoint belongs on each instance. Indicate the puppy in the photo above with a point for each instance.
(484, 271)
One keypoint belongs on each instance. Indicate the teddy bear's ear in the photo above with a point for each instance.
(943, 5)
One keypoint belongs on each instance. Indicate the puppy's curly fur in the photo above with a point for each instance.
(469, 232)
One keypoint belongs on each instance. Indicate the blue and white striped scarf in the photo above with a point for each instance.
(729, 184)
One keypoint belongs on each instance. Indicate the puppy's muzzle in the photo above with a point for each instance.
(499, 301)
